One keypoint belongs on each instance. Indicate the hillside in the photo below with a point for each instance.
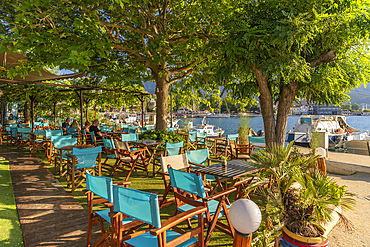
(360, 95)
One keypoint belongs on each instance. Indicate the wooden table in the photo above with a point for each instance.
(151, 147)
(232, 171)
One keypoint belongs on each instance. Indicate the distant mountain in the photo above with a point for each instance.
(360, 95)
(149, 86)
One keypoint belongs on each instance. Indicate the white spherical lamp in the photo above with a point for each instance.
(245, 216)
(321, 152)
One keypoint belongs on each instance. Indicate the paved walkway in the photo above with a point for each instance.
(49, 215)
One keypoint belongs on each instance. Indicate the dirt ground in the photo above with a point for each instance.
(359, 185)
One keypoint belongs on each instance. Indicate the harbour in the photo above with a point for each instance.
(231, 125)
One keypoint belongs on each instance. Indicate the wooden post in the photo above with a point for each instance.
(142, 112)
(32, 98)
(82, 109)
(171, 112)
(55, 115)
(2, 115)
(242, 240)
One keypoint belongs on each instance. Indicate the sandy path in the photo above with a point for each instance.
(359, 185)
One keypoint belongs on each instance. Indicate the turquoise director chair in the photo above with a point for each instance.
(58, 143)
(144, 207)
(102, 187)
(192, 183)
(24, 137)
(170, 149)
(96, 141)
(38, 142)
(83, 159)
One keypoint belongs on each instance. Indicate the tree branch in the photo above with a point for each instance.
(326, 57)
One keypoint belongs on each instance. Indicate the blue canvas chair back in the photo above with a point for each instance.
(192, 136)
(125, 129)
(199, 156)
(44, 124)
(92, 133)
(256, 139)
(40, 132)
(103, 124)
(14, 132)
(201, 134)
(133, 137)
(25, 130)
(99, 185)
(109, 143)
(149, 127)
(137, 204)
(86, 157)
(232, 137)
(73, 131)
(62, 142)
(37, 124)
(190, 182)
(173, 148)
(144, 129)
(57, 132)
(7, 129)
(12, 125)
(132, 130)
(171, 129)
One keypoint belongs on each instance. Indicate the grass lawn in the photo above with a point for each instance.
(140, 181)
(10, 230)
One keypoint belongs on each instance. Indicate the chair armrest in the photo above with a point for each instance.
(219, 194)
(178, 219)
(122, 183)
(108, 204)
(243, 181)
(196, 164)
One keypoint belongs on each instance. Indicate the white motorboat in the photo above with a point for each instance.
(210, 129)
(334, 126)
(219, 115)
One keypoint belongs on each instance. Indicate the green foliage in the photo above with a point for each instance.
(355, 107)
(162, 136)
(281, 203)
(346, 107)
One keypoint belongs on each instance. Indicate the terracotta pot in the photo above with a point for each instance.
(291, 239)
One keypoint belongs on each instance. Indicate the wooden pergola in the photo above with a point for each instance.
(10, 60)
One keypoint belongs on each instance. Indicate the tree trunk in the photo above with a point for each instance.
(87, 113)
(286, 98)
(162, 104)
(26, 112)
(55, 114)
(266, 104)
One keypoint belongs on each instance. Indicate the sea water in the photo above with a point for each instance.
(231, 125)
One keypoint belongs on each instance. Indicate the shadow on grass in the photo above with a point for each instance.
(139, 180)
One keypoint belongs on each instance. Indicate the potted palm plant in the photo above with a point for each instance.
(295, 196)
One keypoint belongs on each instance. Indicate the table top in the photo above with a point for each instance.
(233, 169)
(70, 147)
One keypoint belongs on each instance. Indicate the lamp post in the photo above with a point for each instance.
(245, 216)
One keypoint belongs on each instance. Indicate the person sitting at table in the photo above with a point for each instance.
(87, 127)
(65, 125)
(94, 127)
(75, 124)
